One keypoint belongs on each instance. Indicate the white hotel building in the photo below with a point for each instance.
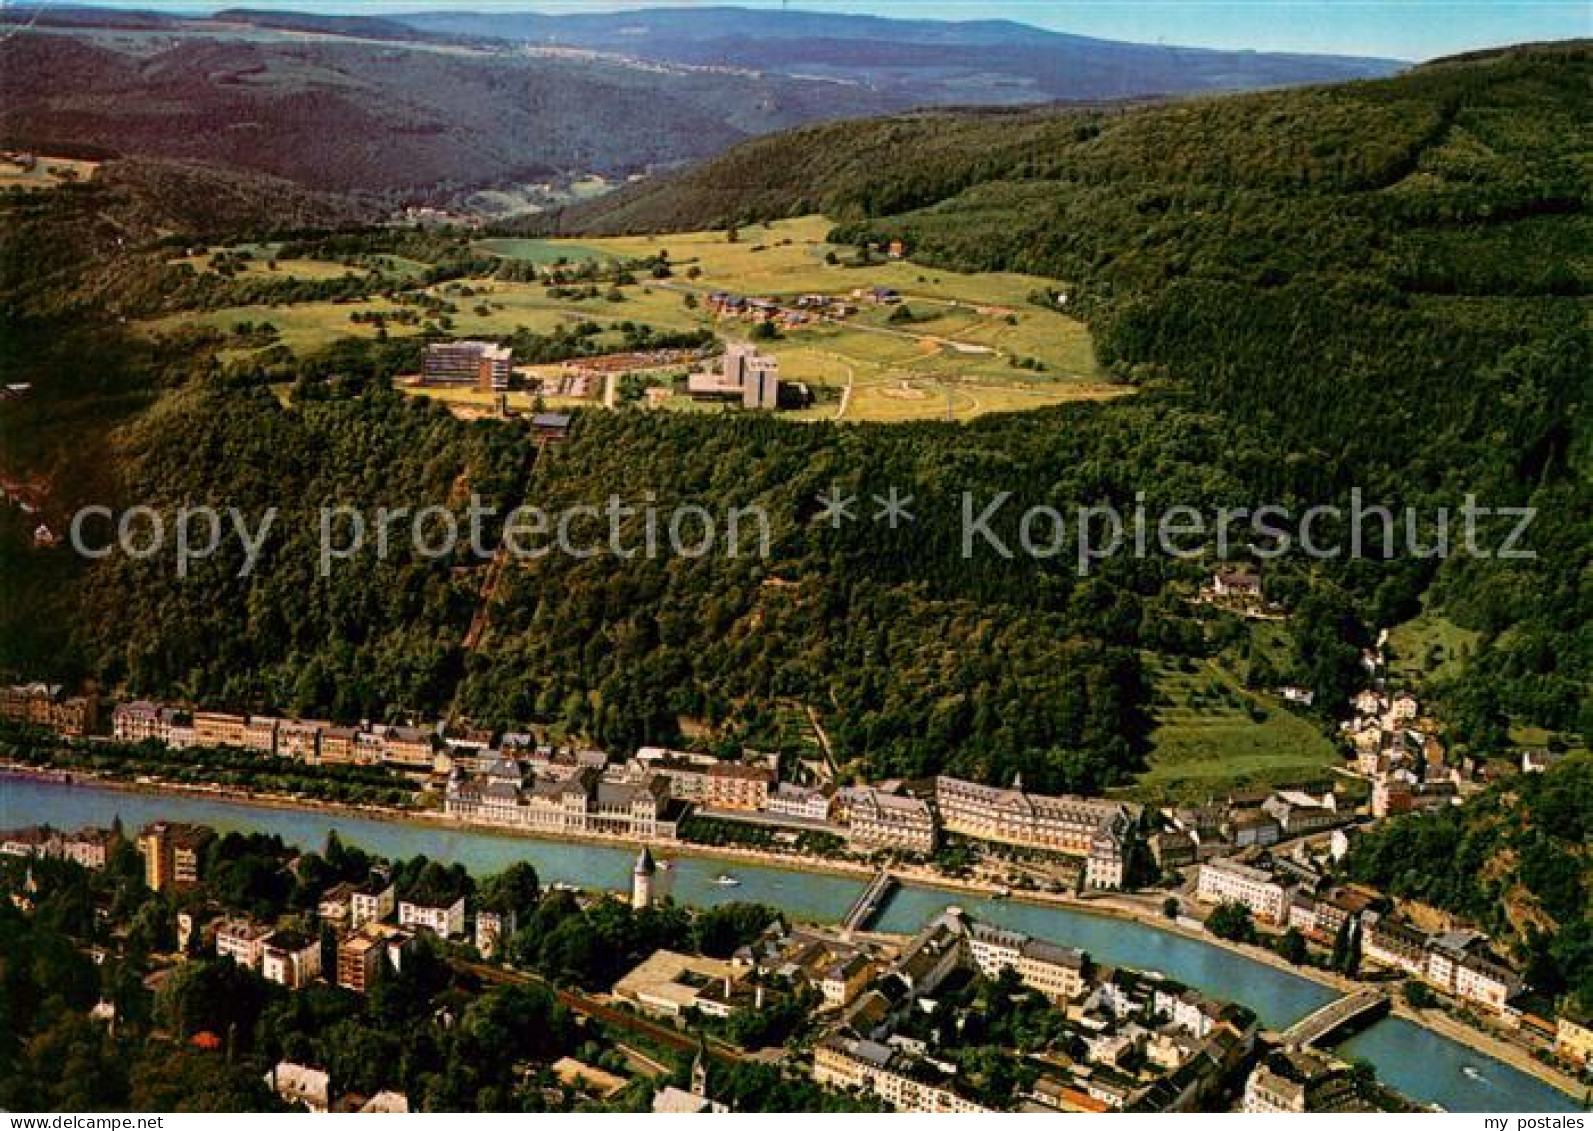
(1226, 881)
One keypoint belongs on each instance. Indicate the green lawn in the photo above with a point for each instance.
(46, 173)
(303, 327)
(788, 258)
(1206, 741)
(542, 252)
(957, 356)
(1428, 647)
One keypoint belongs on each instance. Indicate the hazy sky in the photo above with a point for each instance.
(1409, 29)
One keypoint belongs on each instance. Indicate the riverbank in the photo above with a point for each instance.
(1143, 911)
(1414, 1059)
(1501, 1050)
(441, 821)
(1435, 1020)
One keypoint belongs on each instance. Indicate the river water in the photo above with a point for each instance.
(1418, 1062)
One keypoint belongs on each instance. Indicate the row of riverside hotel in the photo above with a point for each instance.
(402, 747)
(46, 705)
(538, 788)
(514, 781)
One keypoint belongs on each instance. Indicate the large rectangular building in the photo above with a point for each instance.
(730, 785)
(28, 703)
(173, 854)
(1227, 881)
(878, 820)
(482, 366)
(1030, 820)
(898, 1078)
(756, 374)
(260, 734)
(747, 375)
(584, 802)
(1058, 972)
(216, 728)
(43, 705)
(300, 739)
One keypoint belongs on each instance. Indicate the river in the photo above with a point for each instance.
(1420, 1063)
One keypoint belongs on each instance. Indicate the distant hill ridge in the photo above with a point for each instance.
(1346, 137)
(480, 100)
(924, 61)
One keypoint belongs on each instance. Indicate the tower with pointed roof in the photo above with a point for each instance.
(642, 880)
(699, 1071)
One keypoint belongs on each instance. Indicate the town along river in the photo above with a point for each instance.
(1420, 1063)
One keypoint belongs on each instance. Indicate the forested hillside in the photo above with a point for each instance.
(349, 116)
(1387, 280)
(1514, 860)
(1380, 286)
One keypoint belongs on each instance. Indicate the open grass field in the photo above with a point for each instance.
(956, 357)
(1428, 647)
(314, 269)
(258, 265)
(541, 252)
(303, 327)
(1207, 741)
(788, 258)
(46, 173)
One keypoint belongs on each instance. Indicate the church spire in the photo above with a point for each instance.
(699, 1072)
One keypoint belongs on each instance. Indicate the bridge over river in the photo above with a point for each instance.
(1335, 1017)
(869, 903)
(1418, 1061)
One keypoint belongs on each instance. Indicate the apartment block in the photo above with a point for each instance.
(730, 785)
(173, 854)
(372, 902)
(290, 959)
(1227, 881)
(446, 920)
(483, 366)
(361, 953)
(242, 941)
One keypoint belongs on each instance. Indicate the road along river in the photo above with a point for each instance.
(1424, 1065)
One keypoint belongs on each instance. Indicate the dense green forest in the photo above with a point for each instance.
(1378, 286)
(1515, 860)
(1385, 284)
